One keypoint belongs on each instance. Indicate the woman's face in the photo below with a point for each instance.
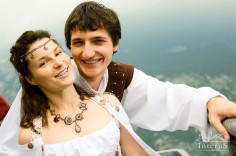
(50, 68)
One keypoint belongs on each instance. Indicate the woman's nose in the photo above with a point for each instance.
(57, 62)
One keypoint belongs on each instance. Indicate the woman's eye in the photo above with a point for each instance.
(58, 53)
(41, 64)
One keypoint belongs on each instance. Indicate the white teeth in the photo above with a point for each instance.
(62, 73)
(91, 61)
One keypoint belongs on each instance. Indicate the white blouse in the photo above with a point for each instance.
(150, 104)
(155, 105)
(104, 142)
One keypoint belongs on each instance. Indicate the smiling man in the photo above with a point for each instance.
(93, 33)
(93, 52)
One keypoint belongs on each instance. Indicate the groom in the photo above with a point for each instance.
(93, 33)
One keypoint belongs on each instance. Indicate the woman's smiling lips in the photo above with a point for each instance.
(62, 72)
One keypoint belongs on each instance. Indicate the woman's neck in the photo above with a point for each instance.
(65, 99)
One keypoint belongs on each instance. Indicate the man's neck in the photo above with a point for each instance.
(95, 83)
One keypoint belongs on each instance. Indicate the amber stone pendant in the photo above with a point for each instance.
(79, 116)
(68, 120)
(77, 128)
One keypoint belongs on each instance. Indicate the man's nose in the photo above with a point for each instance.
(88, 52)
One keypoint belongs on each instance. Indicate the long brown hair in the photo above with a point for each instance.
(34, 103)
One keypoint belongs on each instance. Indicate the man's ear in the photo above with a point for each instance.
(30, 80)
(115, 48)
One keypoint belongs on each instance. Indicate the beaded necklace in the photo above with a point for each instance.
(68, 120)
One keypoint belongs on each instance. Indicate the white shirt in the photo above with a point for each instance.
(149, 103)
(155, 105)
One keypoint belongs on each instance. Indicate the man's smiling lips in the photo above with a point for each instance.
(91, 61)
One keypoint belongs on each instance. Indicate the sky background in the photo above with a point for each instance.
(194, 40)
(169, 26)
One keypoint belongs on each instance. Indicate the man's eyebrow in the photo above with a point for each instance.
(98, 38)
(95, 37)
(76, 39)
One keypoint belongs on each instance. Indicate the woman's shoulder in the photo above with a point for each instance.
(24, 136)
(27, 135)
(111, 98)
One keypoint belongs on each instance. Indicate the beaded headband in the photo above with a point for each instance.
(33, 50)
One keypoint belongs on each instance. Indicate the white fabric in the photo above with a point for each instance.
(155, 105)
(149, 103)
(103, 142)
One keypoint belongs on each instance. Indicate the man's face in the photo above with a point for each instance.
(92, 52)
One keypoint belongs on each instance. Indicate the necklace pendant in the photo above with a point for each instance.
(77, 128)
(79, 116)
(83, 106)
(56, 118)
(68, 120)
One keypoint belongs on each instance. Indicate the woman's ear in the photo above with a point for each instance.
(30, 80)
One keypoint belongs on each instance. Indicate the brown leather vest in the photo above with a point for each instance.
(120, 76)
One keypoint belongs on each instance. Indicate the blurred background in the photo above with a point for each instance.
(182, 41)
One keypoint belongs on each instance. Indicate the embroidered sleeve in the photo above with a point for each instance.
(36, 131)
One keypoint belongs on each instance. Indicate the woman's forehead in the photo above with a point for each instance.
(43, 45)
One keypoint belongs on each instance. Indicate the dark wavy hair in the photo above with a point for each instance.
(92, 16)
(34, 103)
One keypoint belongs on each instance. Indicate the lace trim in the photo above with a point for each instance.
(117, 152)
(36, 131)
(105, 103)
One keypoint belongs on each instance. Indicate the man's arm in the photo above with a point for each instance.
(157, 105)
(219, 109)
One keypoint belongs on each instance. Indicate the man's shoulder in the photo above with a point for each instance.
(118, 66)
(120, 76)
(116, 63)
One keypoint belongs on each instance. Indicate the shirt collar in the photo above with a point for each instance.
(84, 84)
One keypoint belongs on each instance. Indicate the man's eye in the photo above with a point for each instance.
(77, 43)
(99, 41)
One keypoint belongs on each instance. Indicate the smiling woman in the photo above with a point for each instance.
(42, 62)
(184, 41)
(58, 117)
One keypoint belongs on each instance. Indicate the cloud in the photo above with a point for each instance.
(17, 16)
(177, 49)
(221, 82)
